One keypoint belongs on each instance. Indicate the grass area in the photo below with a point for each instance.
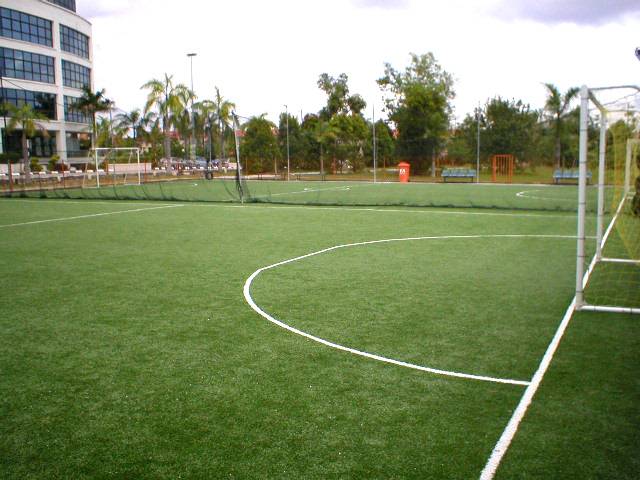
(130, 351)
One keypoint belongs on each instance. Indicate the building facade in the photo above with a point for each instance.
(45, 60)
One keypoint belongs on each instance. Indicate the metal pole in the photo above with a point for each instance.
(582, 191)
(288, 159)
(478, 146)
(192, 152)
(601, 174)
(374, 145)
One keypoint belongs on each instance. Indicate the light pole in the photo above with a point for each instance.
(192, 148)
(373, 121)
(478, 147)
(286, 109)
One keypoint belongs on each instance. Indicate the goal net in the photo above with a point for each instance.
(608, 269)
(113, 166)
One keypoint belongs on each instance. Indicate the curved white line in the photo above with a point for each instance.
(523, 194)
(262, 313)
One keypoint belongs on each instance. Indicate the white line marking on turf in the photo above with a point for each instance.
(44, 201)
(307, 190)
(62, 219)
(262, 313)
(524, 193)
(512, 427)
(570, 215)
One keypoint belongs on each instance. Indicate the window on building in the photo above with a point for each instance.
(74, 75)
(22, 26)
(74, 42)
(73, 115)
(43, 103)
(39, 145)
(27, 66)
(68, 4)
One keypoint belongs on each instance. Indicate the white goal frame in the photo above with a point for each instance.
(587, 96)
(134, 150)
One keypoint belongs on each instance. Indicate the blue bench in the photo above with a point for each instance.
(454, 173)
(570, 175)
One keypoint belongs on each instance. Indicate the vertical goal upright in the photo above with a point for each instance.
(608, 273)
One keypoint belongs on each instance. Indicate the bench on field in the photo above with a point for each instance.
(456, 173)
(569, 175)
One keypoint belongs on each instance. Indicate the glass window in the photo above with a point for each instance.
(73, 115)
(74, 75)
(43, 103)
(27, 66)
(68, 4)
(28, 28)
(74, 42)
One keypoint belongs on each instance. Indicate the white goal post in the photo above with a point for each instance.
(106, 154)
(588, 97)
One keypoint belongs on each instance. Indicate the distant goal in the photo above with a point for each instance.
(113, 166)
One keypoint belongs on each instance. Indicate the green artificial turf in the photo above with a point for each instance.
(129, 350)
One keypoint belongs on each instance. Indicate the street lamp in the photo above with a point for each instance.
(288, 160)
(192, 149)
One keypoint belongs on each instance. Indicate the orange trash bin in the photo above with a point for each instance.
(403, 172)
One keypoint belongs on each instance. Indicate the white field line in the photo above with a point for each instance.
(509, 432)
(511, 429)
(63, 219)
(262, 313)
(44, 201)
(524, 194)
(571, 215)
(307, 190)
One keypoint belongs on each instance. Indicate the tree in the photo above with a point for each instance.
(509, 128)
(167, 99)
(223, 116)
(24, 118)
(556, 107)
(418, 102)
(259, 144)
(90, 104)
(135, 122)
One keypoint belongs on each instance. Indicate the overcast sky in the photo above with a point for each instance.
(263, 54)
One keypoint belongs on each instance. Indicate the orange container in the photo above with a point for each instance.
(403, 172)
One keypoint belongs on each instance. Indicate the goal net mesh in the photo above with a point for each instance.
(615, 279)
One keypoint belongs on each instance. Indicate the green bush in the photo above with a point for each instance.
(34, 165)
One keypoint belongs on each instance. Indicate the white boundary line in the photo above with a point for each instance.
(87, 216)
(262, 313)
(512, 427)
(87, 201)
(310, 190)
(419, 210)
(523, 194)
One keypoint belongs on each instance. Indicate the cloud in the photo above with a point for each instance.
(103, 8)
(579, 12)
(385, 4)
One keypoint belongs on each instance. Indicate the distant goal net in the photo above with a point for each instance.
(608, 269)
(113, 166)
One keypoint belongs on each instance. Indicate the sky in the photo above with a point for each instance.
(265, 54)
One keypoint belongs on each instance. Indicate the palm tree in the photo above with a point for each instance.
(25, 118)
(91, 103)
(556, 107)
(166, 98)
(223, 115)
(134, 121)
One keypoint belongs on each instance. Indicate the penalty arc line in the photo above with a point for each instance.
(87, 216)
(262, 313)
